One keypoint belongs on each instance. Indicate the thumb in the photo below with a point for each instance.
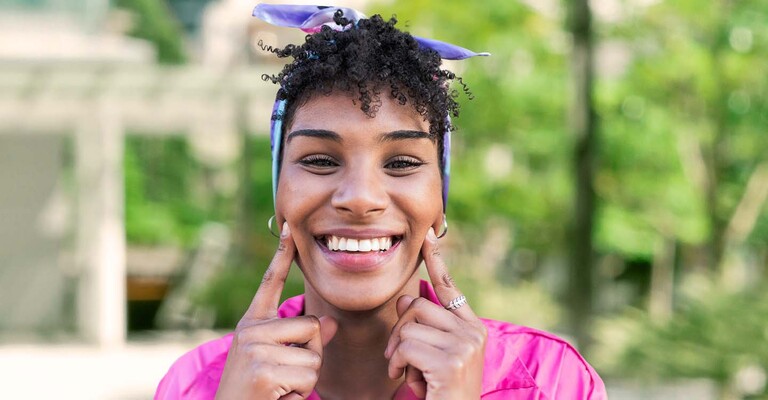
(403, 303)
(328, 328)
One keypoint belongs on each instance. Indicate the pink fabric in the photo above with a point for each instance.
(520, 363)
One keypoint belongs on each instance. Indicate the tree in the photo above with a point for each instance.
(583, 127)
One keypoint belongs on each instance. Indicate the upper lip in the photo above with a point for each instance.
(352, 233)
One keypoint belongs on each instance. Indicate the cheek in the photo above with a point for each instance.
(420, 199)
(297, 197)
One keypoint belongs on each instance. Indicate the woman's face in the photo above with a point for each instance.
(359, 195)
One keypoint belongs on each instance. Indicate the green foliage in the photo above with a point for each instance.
(511, 152)
(161, 206)
(683, 127)
(231, 292)
(155, 23)
(717, 333)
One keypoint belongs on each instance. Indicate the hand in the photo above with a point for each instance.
(274, 358)
(441, 351)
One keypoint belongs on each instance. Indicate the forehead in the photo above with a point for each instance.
(340, 112)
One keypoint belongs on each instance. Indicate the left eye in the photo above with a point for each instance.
(403, 163)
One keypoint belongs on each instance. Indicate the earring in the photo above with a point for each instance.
(445, 228)
(269, 226)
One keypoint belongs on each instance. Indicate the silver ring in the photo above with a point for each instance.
(456, 303)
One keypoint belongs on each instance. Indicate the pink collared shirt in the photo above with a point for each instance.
(520, 363)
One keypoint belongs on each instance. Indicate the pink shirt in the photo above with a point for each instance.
(520, 363)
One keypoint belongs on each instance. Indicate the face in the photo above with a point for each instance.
(359, 195)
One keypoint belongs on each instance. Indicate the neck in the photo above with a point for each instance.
(354, 366)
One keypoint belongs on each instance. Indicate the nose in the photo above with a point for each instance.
(360, 192)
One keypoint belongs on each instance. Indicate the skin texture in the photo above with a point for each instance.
(365, 332)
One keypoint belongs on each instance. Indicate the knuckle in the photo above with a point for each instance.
(406, 346)
(419, 302)
(242, 336)
(316, 361)
(436, 250)
(308, 375)
(282, 246)
(481, 334)
(269, 275)
(456, 363)
(447, 280)
(262, 377)
(466, 349)
(256, 352)
(476, 334)
(407, 329)
(314, 321)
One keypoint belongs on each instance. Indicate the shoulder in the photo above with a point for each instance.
(536, 362)
(196, 374)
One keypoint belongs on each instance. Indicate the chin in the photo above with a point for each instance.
(364, 295)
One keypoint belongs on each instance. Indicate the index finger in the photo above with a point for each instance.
(267, 297)
(445, 287)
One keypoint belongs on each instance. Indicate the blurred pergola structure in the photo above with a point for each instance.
(63, 73)
(97, 103)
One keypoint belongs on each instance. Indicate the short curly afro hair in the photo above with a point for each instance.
(367, 59)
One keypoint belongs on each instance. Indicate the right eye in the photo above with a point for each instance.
(318, 161)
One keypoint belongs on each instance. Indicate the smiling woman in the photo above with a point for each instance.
(361, 145)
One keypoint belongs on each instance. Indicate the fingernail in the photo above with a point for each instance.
(431, 234)
(285, 230)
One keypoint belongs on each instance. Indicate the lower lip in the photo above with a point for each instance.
(359, 262)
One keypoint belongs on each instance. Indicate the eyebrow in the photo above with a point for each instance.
(315, 133)
(333, 136)
(402, 135)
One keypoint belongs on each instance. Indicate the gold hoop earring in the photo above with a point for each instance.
(445, 228)
(269, 226)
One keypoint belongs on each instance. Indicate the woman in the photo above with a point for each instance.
(360, 149)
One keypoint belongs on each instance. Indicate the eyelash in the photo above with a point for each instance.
(410, 163)
(401, 163)
(318, 161)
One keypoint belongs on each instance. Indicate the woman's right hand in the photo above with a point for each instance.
(271, 357)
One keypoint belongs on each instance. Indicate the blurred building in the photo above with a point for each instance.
(72, 85)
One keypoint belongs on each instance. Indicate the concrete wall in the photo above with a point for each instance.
(32, 230)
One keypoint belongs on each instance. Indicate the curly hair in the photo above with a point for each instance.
(367, 59)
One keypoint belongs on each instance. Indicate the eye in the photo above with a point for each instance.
(403, 163)
(318, 161)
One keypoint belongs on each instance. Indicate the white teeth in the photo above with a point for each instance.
(364, 245)
(351, 244)
(336, 243)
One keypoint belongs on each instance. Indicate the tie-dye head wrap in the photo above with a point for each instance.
(311, 19)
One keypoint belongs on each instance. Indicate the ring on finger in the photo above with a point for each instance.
(456, 303)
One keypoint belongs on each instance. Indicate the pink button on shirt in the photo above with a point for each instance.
(520, 363)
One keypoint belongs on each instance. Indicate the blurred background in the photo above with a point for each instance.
(610, 181)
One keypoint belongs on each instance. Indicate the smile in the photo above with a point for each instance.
(356, 251)
(338, 243)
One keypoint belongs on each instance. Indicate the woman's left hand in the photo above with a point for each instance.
(440, 351)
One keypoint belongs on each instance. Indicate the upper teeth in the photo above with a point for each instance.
(361, 245)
